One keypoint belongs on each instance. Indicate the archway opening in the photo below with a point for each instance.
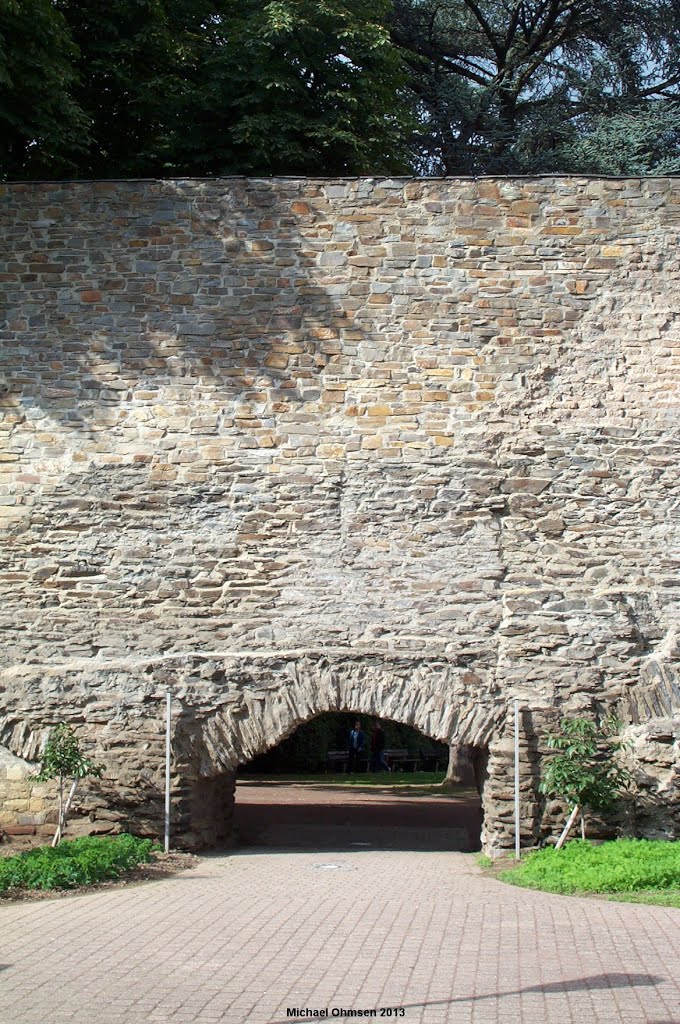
(348, 781)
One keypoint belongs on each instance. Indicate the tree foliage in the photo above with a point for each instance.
(585, 771)
(63, 759)
(42, 128)
(204, 87)
(152, 88)
(508, 86)
(296, 86)
(127, 76)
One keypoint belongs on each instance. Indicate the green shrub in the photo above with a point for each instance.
(78, 862)
(585, 771)
(623, 865)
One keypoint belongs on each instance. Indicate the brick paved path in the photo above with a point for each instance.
(345, 900)
(240, 938)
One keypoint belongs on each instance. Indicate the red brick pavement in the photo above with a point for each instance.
(243, 937)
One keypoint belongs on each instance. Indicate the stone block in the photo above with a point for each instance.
(525, 485)
(330, 451)
(15, 805)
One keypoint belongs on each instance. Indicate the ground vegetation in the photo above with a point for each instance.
(639, 869)
(75, 863)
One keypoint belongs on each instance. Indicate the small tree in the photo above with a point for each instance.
(585, 772)
(63, 759)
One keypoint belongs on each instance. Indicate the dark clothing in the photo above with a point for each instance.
(379, 764)
(357, 740)
(355, 749)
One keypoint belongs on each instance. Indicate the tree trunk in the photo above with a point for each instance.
(567, 828)
(67, 805)
(63, 809)
(57, 835)
(507, 131)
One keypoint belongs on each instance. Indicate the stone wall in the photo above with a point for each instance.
(27, 807)
(288, 446)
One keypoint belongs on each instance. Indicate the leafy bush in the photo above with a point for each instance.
(78, 862)
(623, 865)
(585, 771)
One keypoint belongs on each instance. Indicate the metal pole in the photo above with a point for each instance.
(517, 826)
(168, 710)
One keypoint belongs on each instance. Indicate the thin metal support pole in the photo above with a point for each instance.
(168, 712)
(517, 823)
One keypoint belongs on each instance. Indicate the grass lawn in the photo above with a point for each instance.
(633, 870)
(345, 779)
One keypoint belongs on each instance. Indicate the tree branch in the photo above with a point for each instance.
(484, 25)
(513, 25)
(461, 70)
(659, 87)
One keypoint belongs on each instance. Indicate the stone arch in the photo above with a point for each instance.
(230, 706)
(442, 700)
(266, 698)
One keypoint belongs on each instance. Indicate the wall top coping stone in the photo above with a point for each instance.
(363, 177)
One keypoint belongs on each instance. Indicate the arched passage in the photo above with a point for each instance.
(306, 793)
(228, 708)
(442, 700)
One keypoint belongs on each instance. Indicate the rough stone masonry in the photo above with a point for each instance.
(406, 447)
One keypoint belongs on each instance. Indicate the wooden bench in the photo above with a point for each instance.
(399, 759)
(338, 760)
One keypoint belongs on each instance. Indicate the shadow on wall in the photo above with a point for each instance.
(126, 287)
(120, 290)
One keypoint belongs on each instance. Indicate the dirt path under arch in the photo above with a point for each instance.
(320, 816)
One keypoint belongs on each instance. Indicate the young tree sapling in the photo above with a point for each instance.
(63, 759)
